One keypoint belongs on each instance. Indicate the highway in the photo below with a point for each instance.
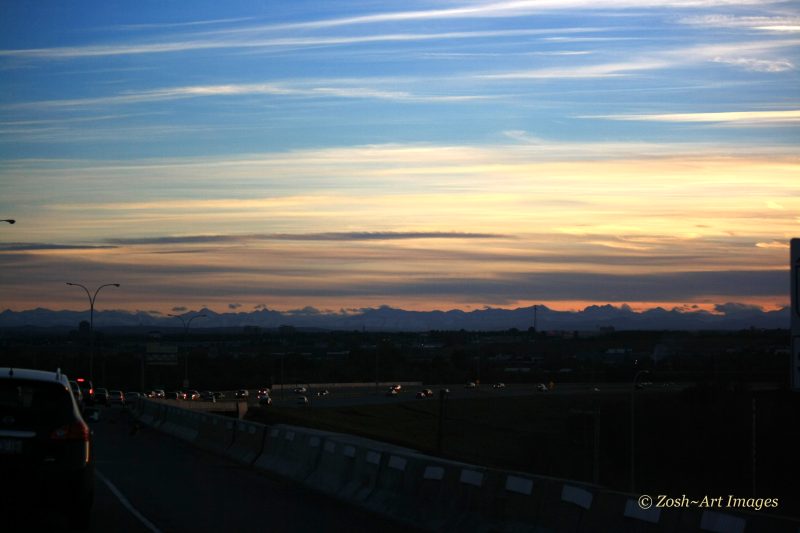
(367, 395)
(149, 482)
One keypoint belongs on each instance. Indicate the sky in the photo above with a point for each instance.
(243, 155)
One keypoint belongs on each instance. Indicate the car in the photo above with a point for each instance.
(264, 400)
(46, 448)
(471, 385)
(218, 395)
(159, 394)
(323, 392)
(116, 397)
(398, 388)
(301, 400)
(262, 392)
(87, 390)
(499, 386)
(391, 392)
(191, 395)
(208, 396)
(172, 395)
(132, 396)
(421, 394)
(541, 387)
(77, 392)
(299, 390)
(101, 396)
(242, 394)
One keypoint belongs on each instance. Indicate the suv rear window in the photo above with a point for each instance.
(34, 402)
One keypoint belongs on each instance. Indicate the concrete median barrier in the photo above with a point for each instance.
(180, 423)
(716, 522)
(275, 443)
(336, 466)
(160, 415)
(392, 486)
(248, 442)
(147, 412)
(291, 453)
(472, 501)
(215, 433)
(365, 476)
(433, 493)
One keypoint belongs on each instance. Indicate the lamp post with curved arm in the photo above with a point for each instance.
(9, 220)
(633, 428)
(186, 324)
(92, 299)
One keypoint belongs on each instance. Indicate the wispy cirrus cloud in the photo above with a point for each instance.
(187, 24)
(750, 55)
(789, 116)
(88, 51)
(757, 65)
(775, 24)
(267, 36)
(511, 8)
(605, 70)
(304, 90)
(232, 37)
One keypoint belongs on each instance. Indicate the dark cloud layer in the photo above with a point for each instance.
(36, 246)
(29, 273)
(333, 236)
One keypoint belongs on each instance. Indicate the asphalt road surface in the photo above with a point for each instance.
(150, 482)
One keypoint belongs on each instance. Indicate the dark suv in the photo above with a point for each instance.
(87, 390)
(46, 454)
(101, 396)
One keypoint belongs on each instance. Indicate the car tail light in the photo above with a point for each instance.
(77, 430)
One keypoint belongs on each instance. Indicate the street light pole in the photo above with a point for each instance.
(91, 320)
(9, 220)
(186, 325)
(633, 429)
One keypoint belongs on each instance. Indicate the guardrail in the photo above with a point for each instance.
(434, 493)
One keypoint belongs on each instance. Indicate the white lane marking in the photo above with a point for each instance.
(124, 501)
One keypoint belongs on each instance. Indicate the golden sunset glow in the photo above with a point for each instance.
(508, 155)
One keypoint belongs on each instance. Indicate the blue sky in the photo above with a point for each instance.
(419, 154)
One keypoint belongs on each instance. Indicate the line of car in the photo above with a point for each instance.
(86, 394)
(187, 395)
